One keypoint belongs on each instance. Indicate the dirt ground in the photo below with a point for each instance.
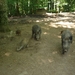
(41, 57)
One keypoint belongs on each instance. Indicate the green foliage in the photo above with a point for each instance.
(24, 7)
(53, 11)
(3, 13)
(70, 5)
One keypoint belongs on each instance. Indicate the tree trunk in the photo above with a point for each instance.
(3, 15)
(17, 8)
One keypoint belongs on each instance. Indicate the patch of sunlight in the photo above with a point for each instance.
(49, 14)
(67, 14)
(59, 36)
(66, 24)
(39, 20)
(64, 18)
(54, 52)
(45, 33)
(7, 54)
(47, 19)
(50, 60)
(53, 25)
(45, 23)
(62, 24)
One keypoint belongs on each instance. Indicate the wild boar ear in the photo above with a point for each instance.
(61, 32)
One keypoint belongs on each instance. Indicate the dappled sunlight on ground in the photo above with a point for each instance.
(64, 18)
(45, 33)
(53, 25)
(65, 24)
(39, 20)
(67, 21)
(59, 36)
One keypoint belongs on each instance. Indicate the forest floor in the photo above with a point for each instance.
(41, 57)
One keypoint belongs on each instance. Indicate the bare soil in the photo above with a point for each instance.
(41, 57)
